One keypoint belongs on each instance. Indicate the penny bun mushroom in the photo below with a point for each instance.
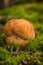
(19, 31)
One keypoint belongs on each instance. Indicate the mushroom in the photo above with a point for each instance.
(19, 31)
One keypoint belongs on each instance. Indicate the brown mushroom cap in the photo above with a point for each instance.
(20, 28)
(16, 40)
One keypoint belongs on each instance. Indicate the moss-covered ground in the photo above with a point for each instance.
(32, 53)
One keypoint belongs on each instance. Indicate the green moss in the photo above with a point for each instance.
(33, 51)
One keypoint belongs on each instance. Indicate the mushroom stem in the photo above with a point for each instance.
(12, 49)
(14, 52)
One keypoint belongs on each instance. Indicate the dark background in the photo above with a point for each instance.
(7, 3)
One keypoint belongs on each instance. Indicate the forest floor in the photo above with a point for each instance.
(32, 53)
